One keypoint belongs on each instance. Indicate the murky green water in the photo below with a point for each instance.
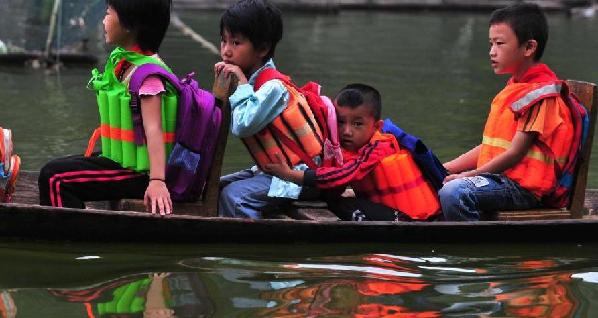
(433, 72)
(300, 281)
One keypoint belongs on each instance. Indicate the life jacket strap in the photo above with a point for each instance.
(91, 144)
(294, 147)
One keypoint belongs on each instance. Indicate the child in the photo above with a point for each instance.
(137, 28)
(388, 184)
(529, 126)
(250, 31)
(10, 165)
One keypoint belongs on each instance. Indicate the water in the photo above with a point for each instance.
(302, 281)
(434, 75)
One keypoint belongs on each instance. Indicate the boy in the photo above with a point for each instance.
(387, 183)
(526, 133)
(250, 31)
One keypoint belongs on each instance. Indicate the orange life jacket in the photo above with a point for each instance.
(536, 172)
(294, 134)
(398, 183)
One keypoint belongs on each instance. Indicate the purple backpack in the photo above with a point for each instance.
(197, 127)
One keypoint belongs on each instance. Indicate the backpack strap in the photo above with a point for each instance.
(140, 74)
(269, 74)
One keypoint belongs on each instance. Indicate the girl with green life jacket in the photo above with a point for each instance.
(125, 168)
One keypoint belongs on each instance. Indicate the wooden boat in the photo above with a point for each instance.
(197, 222)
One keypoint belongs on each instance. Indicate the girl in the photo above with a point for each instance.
(125, 169)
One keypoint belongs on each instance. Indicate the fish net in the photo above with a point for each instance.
(25, 24)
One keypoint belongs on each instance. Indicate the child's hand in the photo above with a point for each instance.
(451, 177)
(218, 68)
(157, 194)
(280, 168)
(231, 69)
(223, 86)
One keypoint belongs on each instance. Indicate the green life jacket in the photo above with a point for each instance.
(116, 123)
(128, 299)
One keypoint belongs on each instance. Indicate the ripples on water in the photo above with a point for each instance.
(236, 281)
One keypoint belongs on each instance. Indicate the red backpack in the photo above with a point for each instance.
(561, 195)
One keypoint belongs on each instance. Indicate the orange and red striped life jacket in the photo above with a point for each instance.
(398, 183)
(294, 133)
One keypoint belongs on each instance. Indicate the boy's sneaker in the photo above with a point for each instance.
(8, 184)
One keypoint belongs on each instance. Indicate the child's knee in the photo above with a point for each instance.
(451, 191)
(452, 195)
(457, 201)
(45, 173)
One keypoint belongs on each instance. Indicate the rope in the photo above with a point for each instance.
(186, 30)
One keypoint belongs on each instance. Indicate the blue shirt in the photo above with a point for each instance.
(254, 110)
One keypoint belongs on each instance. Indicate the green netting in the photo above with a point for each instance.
(24, 24)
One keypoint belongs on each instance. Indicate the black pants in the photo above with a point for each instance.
(70, 181)
(360, 209)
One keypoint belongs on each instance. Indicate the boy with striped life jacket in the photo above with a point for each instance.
(529, 131)
(137, 28)
(387, 183)
(263, 108)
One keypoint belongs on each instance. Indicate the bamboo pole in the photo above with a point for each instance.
(186, 30)
(52, 27)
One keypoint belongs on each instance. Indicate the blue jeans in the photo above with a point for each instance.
(465, 199)
(244, 194)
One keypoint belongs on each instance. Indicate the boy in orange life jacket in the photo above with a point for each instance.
(386, 180)
(527, 130)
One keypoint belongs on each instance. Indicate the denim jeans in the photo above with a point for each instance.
(467, 198)
(244, 194)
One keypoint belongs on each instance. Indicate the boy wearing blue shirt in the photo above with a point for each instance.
(250, 31)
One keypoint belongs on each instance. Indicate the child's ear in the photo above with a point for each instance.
(530, 48)
(379, 124)
(263, 50)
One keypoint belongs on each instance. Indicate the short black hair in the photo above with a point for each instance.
(258, 20)
(149, 19)
(355, 95)
(528, 23)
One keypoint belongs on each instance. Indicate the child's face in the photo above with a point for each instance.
(506, 55)
(356, 126)
(115, 33)
(236, 49)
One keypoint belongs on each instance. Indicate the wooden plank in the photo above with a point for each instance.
(546, 214)
(587, 95)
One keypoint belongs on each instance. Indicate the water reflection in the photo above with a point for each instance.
(370, 285)
(298, 281)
